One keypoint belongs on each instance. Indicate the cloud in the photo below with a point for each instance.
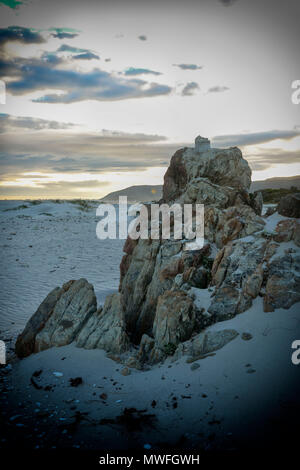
(27, 75)
(86, 56)
(142, 37)
(188, 66)
(50, 57)
(96, 85)
(190, 89)
(227, 3)
(75, 50)
(64, 33)
(263, 159)
(11, 3)
(217, 89)
(253, 138)
(21, 34)
(137, 71)
(52, 190)
(36, 145)
(10, 123)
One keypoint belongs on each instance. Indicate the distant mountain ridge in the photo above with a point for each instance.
(146, 193)
(276, 183)
(143, 193)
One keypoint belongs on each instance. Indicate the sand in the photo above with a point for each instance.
(232, 399)
(243, 396)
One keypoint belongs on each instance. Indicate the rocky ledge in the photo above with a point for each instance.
(169, 295)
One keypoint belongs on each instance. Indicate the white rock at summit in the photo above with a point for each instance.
(202, 144)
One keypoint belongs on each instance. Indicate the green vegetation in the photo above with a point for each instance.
(207, 262)
(273, 196)
(22, 206)
(169, 349)
(82, 204)
(35, 202)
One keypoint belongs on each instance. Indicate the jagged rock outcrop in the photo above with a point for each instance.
(238, 274)
(168, 294)
(283, 283)
(225, 168)
(204, 343)
(25, 344)
(176, 318)
(289, 206)
(59, 318)
(106, 328)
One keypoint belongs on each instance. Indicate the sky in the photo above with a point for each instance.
(100, 94)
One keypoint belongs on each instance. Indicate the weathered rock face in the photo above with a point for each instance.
(222, 167)
(285, 230)
(176, 318)
(289, 206)
(106, 328)
(283, 284)
(236, 222)
(169, 295)
(59, 319)
(204, 343)
(25, 344)
(217, 178)
(257, 202)
(238, 274)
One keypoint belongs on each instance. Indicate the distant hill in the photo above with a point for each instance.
(276, 183)
(134, 194)
(146, 193)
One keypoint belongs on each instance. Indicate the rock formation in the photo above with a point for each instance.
(169, 295)
(59, 318)
(290, 205)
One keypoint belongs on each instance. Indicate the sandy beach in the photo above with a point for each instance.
(226, 401)
(231, 400)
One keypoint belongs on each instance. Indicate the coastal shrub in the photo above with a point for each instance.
(35, 202)
(207, 262)
(274, 195)
(169, 349)
(22, 206)
(82, 204)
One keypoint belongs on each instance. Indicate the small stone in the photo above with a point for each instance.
(75, 382)
(125, 371)
(246, 336)
(58, 374)
(195, 366)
